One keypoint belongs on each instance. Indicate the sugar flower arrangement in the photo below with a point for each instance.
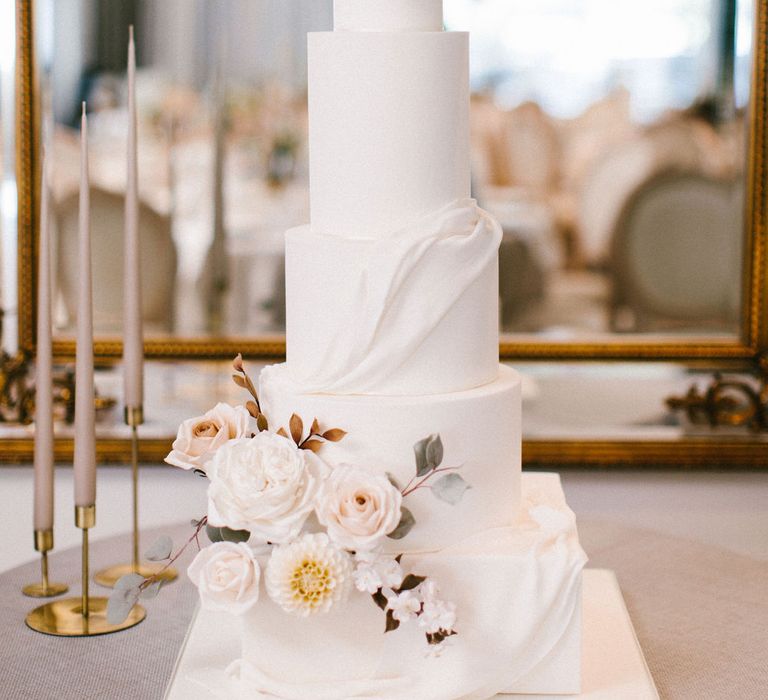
(312, 532)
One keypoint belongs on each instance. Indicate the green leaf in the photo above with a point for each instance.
(420, 451)
(434, 452)
(410, 582)
(151, 591)
(392, 624)
(228, 535)
(393, 481)
(128, 582)
(160, 549)
(214, 533)
(450, 488)
(120, 604)
(407, 521)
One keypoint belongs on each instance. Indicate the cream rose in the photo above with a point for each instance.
(199, 438)
(227, 577)
(358, 508)
(265, 485)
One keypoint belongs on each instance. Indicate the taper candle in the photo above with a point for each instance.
(133, 342)
(85, 431)
(43, 498)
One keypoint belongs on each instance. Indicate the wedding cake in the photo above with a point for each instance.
(414, 561)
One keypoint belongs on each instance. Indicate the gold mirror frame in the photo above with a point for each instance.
(743, 353)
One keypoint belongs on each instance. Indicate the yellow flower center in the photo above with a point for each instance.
(311, 582)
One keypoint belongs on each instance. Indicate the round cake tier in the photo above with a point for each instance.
(380, 317)
(480, 430)
(388, 128)
(389, 16)
(517, 593)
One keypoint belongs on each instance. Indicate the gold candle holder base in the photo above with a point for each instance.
(64, 618)
(83, 616)
(44, 589)
(110, 576)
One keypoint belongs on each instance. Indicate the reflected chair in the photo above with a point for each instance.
(676, 255)
(158, 262)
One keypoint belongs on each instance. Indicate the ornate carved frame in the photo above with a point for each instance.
(741, 353)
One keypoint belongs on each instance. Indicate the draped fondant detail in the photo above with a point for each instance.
(518, 593)
(403, 287)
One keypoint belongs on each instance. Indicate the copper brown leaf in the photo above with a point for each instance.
(261, 422)
(253, 409)
(392, 624)
(237, 363)
(297, 428)
(334, 435)
(315, 429)
(282, 433)
(311, 445)
(240, 381)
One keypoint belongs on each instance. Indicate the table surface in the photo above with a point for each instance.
(690, 551)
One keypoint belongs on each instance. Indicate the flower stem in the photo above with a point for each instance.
(408, 490)
(194, 538)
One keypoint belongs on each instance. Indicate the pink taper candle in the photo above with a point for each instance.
(43, 501)
(85, 431)
(133, 341)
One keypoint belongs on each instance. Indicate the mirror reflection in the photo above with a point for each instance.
(609, 138)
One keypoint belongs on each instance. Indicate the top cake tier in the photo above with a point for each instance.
(388, 118)
(388, 15)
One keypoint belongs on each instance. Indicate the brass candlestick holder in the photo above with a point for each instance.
(44, 589)
(134, 417)
(83, 616)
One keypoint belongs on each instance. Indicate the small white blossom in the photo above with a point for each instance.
(428, 591)
(374, 572)
(437, 616)
(404, 606)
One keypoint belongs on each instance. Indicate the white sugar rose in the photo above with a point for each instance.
(264, 484)
(358, 508)
(199, 438)
(227, 577)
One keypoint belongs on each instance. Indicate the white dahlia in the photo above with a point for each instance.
(309, 575)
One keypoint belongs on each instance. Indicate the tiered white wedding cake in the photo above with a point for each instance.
(408, 559)
(392, 334)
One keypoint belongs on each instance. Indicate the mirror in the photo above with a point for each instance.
(610, 140)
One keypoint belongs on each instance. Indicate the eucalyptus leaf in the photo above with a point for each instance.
(393, 481)
(128, 582)
(434, 451)
(450, 488)
(151, 591)
(120, 604)
(160, 549)
(420, 451)
(407, 521)
(214, 533)
(228, 535)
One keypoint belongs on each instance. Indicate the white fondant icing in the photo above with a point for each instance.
(480, 430)
(388, 15)
(517, 591)
(388, 129)
(412, 314)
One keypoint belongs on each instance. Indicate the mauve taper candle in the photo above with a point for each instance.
(133, 341)
(85, 431)
(43, 500)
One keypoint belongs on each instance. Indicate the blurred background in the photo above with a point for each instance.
(608, 136)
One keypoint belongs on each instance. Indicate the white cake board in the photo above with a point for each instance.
(613, 663)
